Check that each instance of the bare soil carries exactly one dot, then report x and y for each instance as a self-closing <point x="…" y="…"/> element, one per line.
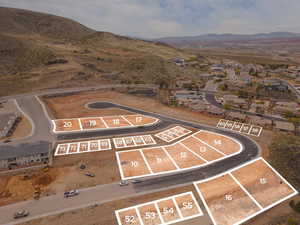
<point x="104" y="214"/>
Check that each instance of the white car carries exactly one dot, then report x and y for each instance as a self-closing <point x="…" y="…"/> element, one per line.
<point x="123" y="183"/>
<point x="71" y="193"/>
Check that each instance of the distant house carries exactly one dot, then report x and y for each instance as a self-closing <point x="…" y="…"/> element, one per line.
<point x="217" y="68"/>
<point x="284" y="126"/>
<point x="260" y="121"/>
<point x="206" y="76"/>
<point x="245" y="78"/>
<point x="235" y="101"/>
<point x="216" y="111"/>
<point x="28" y="155"/>
<point x="236" y="116"/>
<point x="179" y="61"/>
<point x="282" y="107"/>
<point x="275" y="85"/>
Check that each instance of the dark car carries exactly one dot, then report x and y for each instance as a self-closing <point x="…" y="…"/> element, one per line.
<point x="136" y="181"/>
<point x="21" y="214"/>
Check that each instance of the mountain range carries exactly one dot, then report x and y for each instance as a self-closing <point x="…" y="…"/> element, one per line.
<point x="206" y="38"/>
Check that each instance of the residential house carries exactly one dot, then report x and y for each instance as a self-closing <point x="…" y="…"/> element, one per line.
<point x="284" y="126"/>
<point x="236" y="116"/>
<point x="275" y="85"/>
<point x="257" y="120"/>
<point x="235" y="101"/>
<point x="282" y="107"/>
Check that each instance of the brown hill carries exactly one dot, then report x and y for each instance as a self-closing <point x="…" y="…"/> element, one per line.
<point x="39" y="51"/>
<point x="25" y="22"/>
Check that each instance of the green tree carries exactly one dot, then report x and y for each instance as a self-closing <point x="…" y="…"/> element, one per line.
<point x="227" y="106"/>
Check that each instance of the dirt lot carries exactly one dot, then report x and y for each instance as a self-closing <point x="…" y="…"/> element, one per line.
<point x="228" y="203"/>
<point x="64" y="107"/>
<point x="103" y="214"/>
<point x="74" y="106"/>
<point x="224" y="144"/>
<point x="64" y="175"/>
<point x="262" y="183"/>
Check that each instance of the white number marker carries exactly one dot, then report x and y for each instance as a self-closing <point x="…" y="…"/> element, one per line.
<point x="158" y="160"/>
<point x="228" y="197"/>
<point x="218" y="142"/>
<point x="167" y="210"/>
<point x="187" y="205"/>
<point x="183" y="155"/>
<point x="134" y="164"/>
<point x="203" y="149"/>
<point x="138" y="119"/>
<point x="116" y="121"/>
<point x="92" y="123"/>
<point x="129" y="219"/>
<point x="150" y="215"/>
<point x="68" y="124"/>
<point x="263" y="180"/>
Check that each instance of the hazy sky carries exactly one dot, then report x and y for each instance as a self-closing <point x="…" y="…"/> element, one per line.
<point x="159" y="18"/>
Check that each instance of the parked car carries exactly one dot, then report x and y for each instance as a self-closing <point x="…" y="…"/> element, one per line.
<point x="89" y="174"/>
<point x="123" y="183"/>
<point x="21" y="214"/>
<point x="71" y="193"/>
<point x="136" y="181"/>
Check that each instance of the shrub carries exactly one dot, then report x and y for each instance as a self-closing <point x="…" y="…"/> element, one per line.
<point x="297" y="207"/>
<point x="292" y="204"/>
<point x="292" y="221"/>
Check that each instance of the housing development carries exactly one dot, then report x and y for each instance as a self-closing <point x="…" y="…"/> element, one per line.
<point x="97" y="128"/>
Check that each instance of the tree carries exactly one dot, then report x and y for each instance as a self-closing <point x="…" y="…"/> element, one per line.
<point x="227" y="106"/>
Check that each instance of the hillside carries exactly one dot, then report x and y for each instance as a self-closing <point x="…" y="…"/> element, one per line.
<point x="24" y="22"/>
<point x="39" y="51"/>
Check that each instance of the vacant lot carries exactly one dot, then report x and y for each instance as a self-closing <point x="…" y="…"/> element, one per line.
<point x="65" y="174"/>
<point x="104" y="214"/>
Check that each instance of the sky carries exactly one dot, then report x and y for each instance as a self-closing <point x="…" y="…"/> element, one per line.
<point x="164" y="18"/>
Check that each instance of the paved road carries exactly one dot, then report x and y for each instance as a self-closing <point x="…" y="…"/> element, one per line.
<point x="211" y="85"/>
<point x="56" y="204"/>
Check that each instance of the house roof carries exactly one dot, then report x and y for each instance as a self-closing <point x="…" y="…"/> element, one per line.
<point x="284" y="126"/>
<point x="259" y="120"/>
<point x="237" y="115"/>
<point x="22" y="150"/>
